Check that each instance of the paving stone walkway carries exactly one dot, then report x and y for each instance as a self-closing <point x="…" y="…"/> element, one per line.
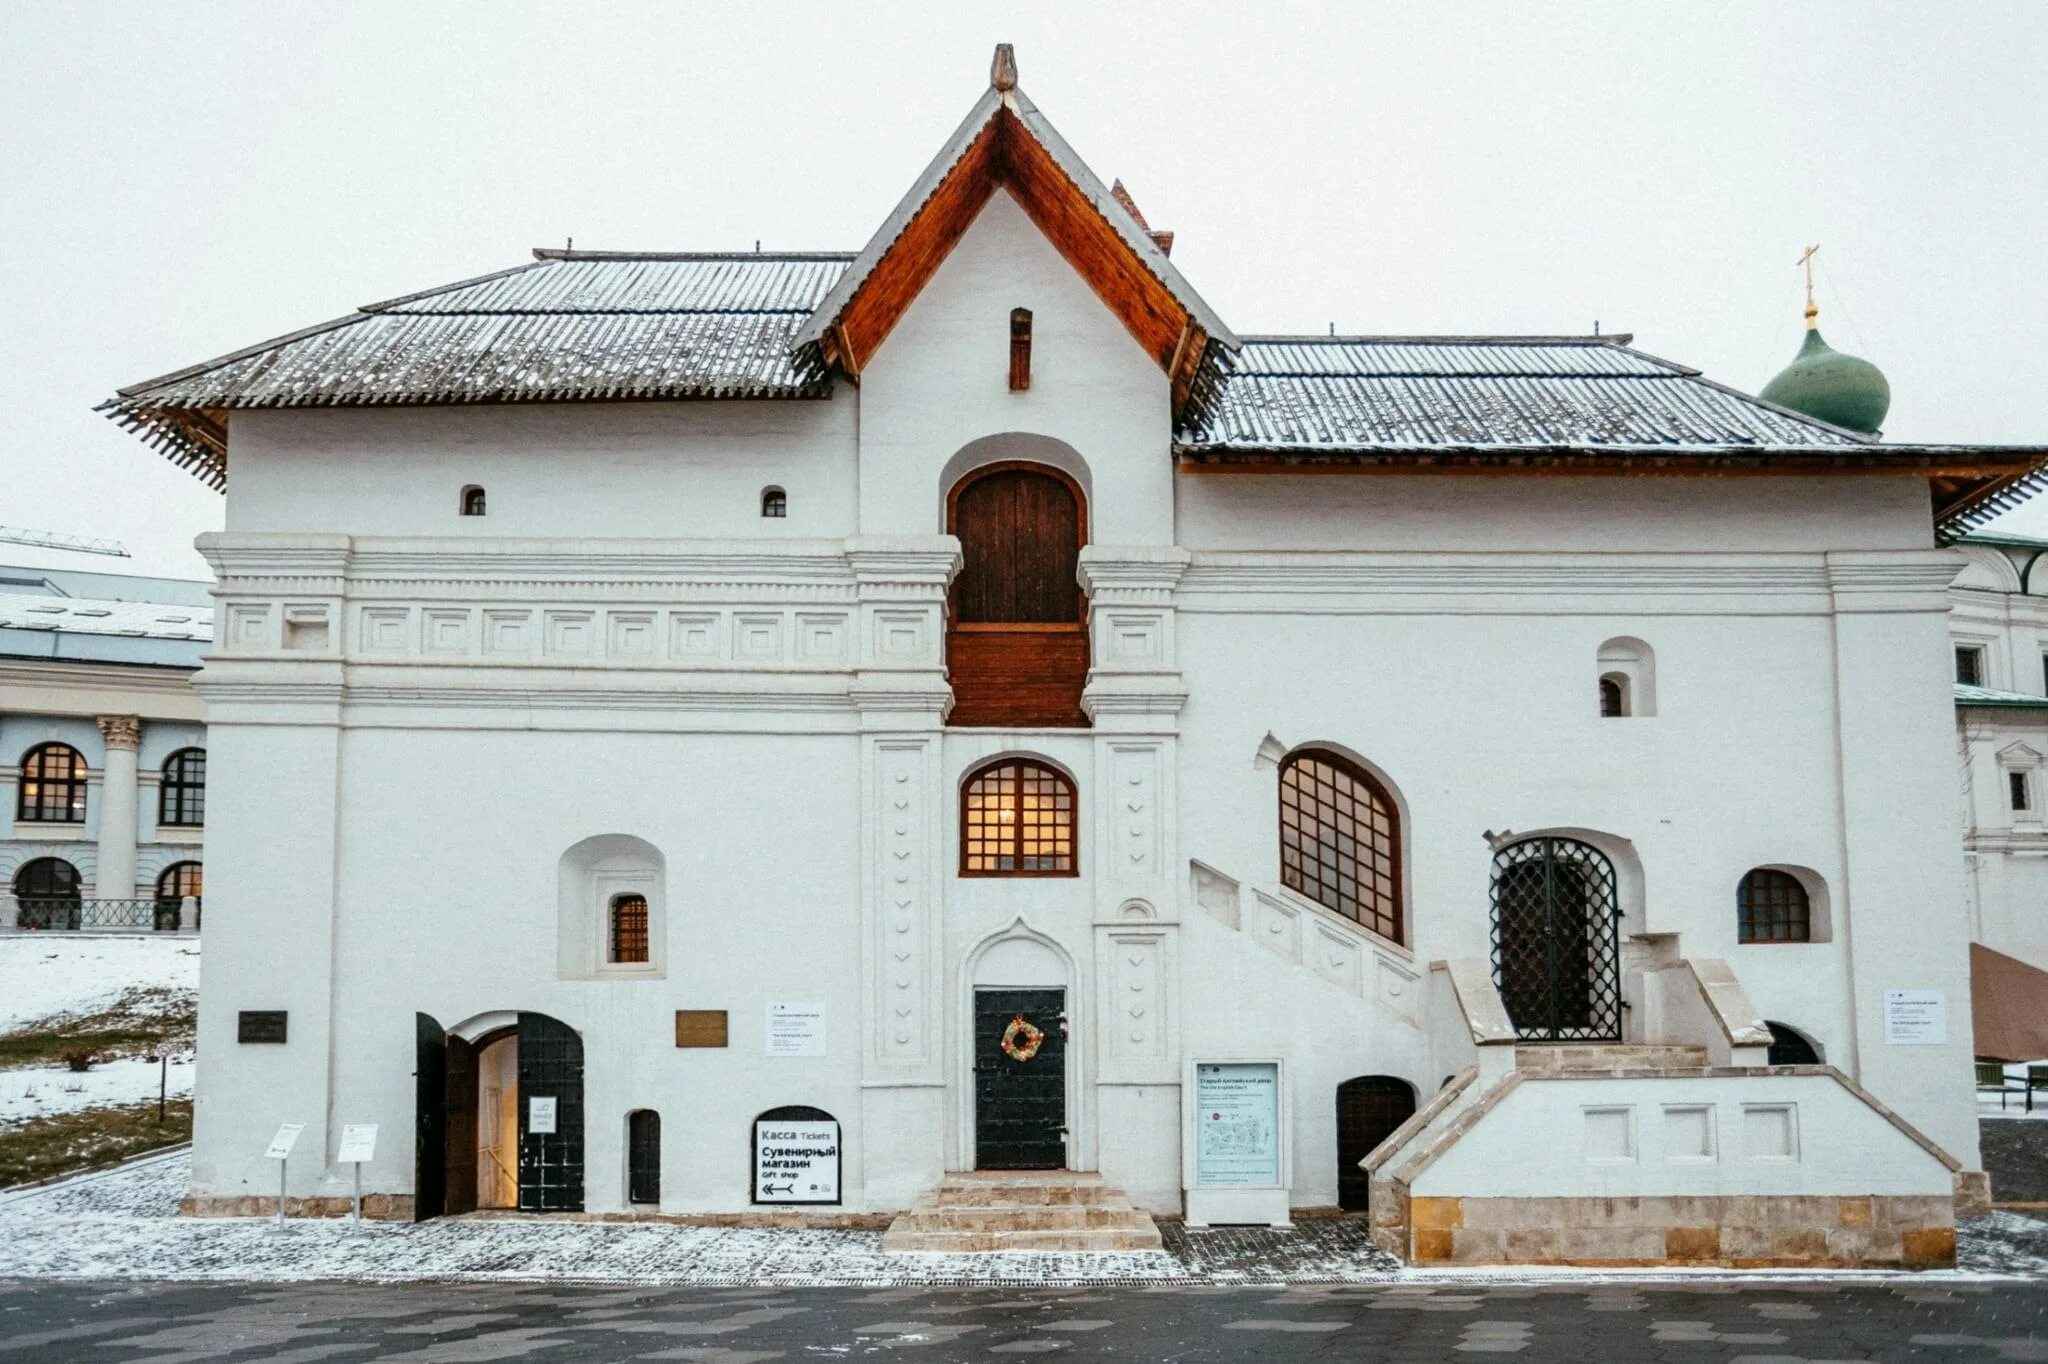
<point x="1757" y="1324"/>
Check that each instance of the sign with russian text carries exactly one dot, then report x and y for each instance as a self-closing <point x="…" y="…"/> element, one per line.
<point x="287" y="1137"/>
<point x="540" y="1115"/>
<point x="358" y="1143"/>
<point x="796" y="1162"/>
<point x="796" y="1029"/>
<point x="1915" y="1018"/>
<point x="1237" y="1123"/>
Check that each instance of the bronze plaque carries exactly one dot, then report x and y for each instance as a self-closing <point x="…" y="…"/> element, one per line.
<point x="700" y="1027"/>
<point x="260" y="1025"/>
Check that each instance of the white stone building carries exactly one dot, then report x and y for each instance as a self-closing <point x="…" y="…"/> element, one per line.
<point x="657" y="695"/>
<point x="102" y="750"/>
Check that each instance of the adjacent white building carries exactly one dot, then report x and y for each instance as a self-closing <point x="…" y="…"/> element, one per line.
<point x="102" y="750"/>
<point x="702" y="732"/>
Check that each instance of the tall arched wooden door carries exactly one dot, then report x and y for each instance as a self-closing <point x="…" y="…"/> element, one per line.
<point x="1017" y="640"/>
<point x="1369" y="1108"/>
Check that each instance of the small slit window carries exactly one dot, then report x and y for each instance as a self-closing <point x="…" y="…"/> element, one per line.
<point x="1017" y="819"/>
<point x="52" y="786"/>
<point x="473" y="501"/>
<point x="1020" y="349"/>
<point x="774" y="503"/>
<point x="1772" y="906"/>
<point x="2016" y="787"/>
<point x="628" y="929"/>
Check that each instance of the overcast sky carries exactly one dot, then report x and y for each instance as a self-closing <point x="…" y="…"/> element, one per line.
<point x="186" y="179"/>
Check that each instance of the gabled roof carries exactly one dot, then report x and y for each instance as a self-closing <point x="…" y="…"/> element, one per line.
<point x="1005" y="141"/>
<point x="569" y="326"/>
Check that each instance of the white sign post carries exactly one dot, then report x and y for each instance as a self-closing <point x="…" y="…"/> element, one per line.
<point x="1236" y="1157"/>
<point x="358" y="1144"/>
<point x="796" y="1029"/>
<point x="1915" y="1018"/>
<point x="280" y="1151"/>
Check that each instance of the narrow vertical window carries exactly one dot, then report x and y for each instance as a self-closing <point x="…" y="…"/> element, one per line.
<point x="643" y="1156"/>
<point x="774" y="503"/>
<point x="1613" y="699"/>
<point x="181" y="799"/>
<point x="1020" y="349"/>
<point x="1970" y="667"/>
<point x="472" y="501"/>
<point x="629" y="928"/>
<point x="2016" y="783"/>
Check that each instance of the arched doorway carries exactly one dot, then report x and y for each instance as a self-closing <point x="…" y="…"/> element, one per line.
<point x="1369" y="1108"/>
<point x="46" y="894"/>
<point x="498" y="1117"/>
<point x="1017" y="636"/>
<point x="1556" y="940"/>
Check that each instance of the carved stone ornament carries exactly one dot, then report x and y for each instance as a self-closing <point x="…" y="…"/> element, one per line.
<point x="121" y="731"/>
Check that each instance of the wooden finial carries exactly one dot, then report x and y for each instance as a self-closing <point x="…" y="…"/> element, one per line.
<point x="1002" y="72"/>
<point x="1806" y="260"/>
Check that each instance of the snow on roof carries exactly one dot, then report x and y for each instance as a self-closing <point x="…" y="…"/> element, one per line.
<point x="1991" y="696"/>
<point x="94" y="629"/>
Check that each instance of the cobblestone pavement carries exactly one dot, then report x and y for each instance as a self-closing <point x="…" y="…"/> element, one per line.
<point x="2016" y="1154"/>
<point x="1775" y="1324"/>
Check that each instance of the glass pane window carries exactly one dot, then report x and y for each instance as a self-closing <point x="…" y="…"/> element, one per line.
<point x="629" y="928"/>
<point x="1772" y="906"/>
<point x="1017" y="819"/>
<point x="52" y="789"/>
<point x="1340" y="840"/>
<point x="181" y="800"/>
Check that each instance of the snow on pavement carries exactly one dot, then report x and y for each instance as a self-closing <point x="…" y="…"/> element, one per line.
<point x="121" y="1224"/>
<point x="49" y="975"/>
<point x="42" y="1091"/>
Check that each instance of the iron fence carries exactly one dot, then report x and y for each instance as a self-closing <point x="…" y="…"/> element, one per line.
<point x="62" y="913"/>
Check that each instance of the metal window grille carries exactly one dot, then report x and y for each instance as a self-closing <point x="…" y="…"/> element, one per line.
<point x="52" y="786"/>
<point x="774" y="503"/>
<point x="1340" y="841"/>
<point x="643" y="1156"/>
<point x="181" y="800"/>
<point x="1556" y="940"/>
<point x="1773" y="908"/>
<point x="1970" y="667"/>
<point x="629" y="928"/>
<point x="1017" y="819"/>
<point x="1611" y="699"/>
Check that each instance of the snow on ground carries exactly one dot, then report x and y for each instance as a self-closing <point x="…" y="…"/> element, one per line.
<point x="50" y="975"/>
<point x="121" y="1224"/>
<point x="42" y="1091"/>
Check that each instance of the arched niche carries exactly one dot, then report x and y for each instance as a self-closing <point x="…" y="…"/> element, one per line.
<point x="1013" y="447"/>
<point x="592" y="875"/>
<point x="1628" y="665"/>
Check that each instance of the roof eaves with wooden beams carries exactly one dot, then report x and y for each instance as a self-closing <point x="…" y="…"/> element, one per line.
<point x="1006" y="142"/>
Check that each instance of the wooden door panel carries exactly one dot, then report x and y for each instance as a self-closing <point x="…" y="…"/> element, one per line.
<point x="1018" y="677"/>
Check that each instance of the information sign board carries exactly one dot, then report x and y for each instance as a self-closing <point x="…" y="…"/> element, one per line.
<point x="1915" y="1018"/>
<point x="796" y="1161"/>
<point x="540" y="1115"/>
<point x="796" y="1029"/>
<point x="1237" y="1123"/>
<point x="358" y="1143"/>
<point x="286" y="1138"/>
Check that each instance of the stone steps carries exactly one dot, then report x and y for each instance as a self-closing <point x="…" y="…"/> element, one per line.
<point x="1033" y="1210"/>
<point x="1578" y="1058"/>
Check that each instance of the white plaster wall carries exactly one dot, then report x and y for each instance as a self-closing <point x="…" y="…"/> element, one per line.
<point x="1843" y="1146"/>
<point x="561" y="470"/>
<point x="941" y="381"/>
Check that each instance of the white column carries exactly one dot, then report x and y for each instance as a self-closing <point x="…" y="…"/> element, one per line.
<point x="115" y="878"/>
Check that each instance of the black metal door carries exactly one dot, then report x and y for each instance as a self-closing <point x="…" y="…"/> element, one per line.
<point x="1369" y="1108"/>
<point x="550" y="1162"/>
<point x="1020" y="1105"/>
<point x="430" y="1117"/>
<point x="1556" y="940"/>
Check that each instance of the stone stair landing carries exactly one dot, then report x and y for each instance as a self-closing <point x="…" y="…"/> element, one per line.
<point x="1606" y="1058"/>
<point x="1038" y="1210"/>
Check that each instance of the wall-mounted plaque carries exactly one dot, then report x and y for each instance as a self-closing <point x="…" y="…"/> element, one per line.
<point x="796" y="1029"/>
<point x="540" y="1115"/>
<point x="1915" y="1018"/>
<point x="700" y="1027"/>
<point x="260" y="1025"/>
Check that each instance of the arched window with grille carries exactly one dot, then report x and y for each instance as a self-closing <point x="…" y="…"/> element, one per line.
<point x="52" y="787"/>
<point x="1017" y="819"/>
<point x="181" y="799"/>
<point x="774" y="503"/>
<point x="174" y="885"/>
<point x="46" y="894"/>
<point x="1772" y="906"/>
<point x="472" y="501"/>
<point x="629" y="942"/>
<point x="1340" y="839"/>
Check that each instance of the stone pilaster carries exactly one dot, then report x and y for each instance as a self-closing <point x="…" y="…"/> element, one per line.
<point x="116" y="874"/>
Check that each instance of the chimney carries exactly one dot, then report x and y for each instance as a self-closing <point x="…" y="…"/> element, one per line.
<point x="1162" y="240"/>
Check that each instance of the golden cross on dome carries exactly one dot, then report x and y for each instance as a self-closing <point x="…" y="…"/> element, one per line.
<point x="1806" y="261"/>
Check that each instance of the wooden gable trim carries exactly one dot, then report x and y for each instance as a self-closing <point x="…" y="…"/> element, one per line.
<point x="1006" y="154"/>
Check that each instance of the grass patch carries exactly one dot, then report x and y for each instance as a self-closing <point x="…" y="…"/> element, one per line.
<point x="66" y="1143"/>
<point x="131" y="1026"/>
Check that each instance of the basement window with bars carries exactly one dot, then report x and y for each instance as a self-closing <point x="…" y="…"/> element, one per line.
<point x="1772" y="906"/>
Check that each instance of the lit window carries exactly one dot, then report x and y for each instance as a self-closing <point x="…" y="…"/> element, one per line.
<point x="1970" y="667"/>
<point x="1772" y="906"/>
<point x="472" y="501"/>
<point x="629" y="929"/>
<point x="174" y="885"/>
<point x="1017" y="819"/>
<point x="1340" y="839"/>
<point x="774" y="503"/>
<point x="52" y="788"/>
<point x="181" y="800"/>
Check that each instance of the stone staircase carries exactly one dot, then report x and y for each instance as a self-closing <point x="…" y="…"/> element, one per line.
<point x="1040" y="1210"/>
<point x="1607" y="1058"/>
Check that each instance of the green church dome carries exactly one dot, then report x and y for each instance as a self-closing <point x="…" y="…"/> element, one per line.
<point x="1841" y="389"/>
